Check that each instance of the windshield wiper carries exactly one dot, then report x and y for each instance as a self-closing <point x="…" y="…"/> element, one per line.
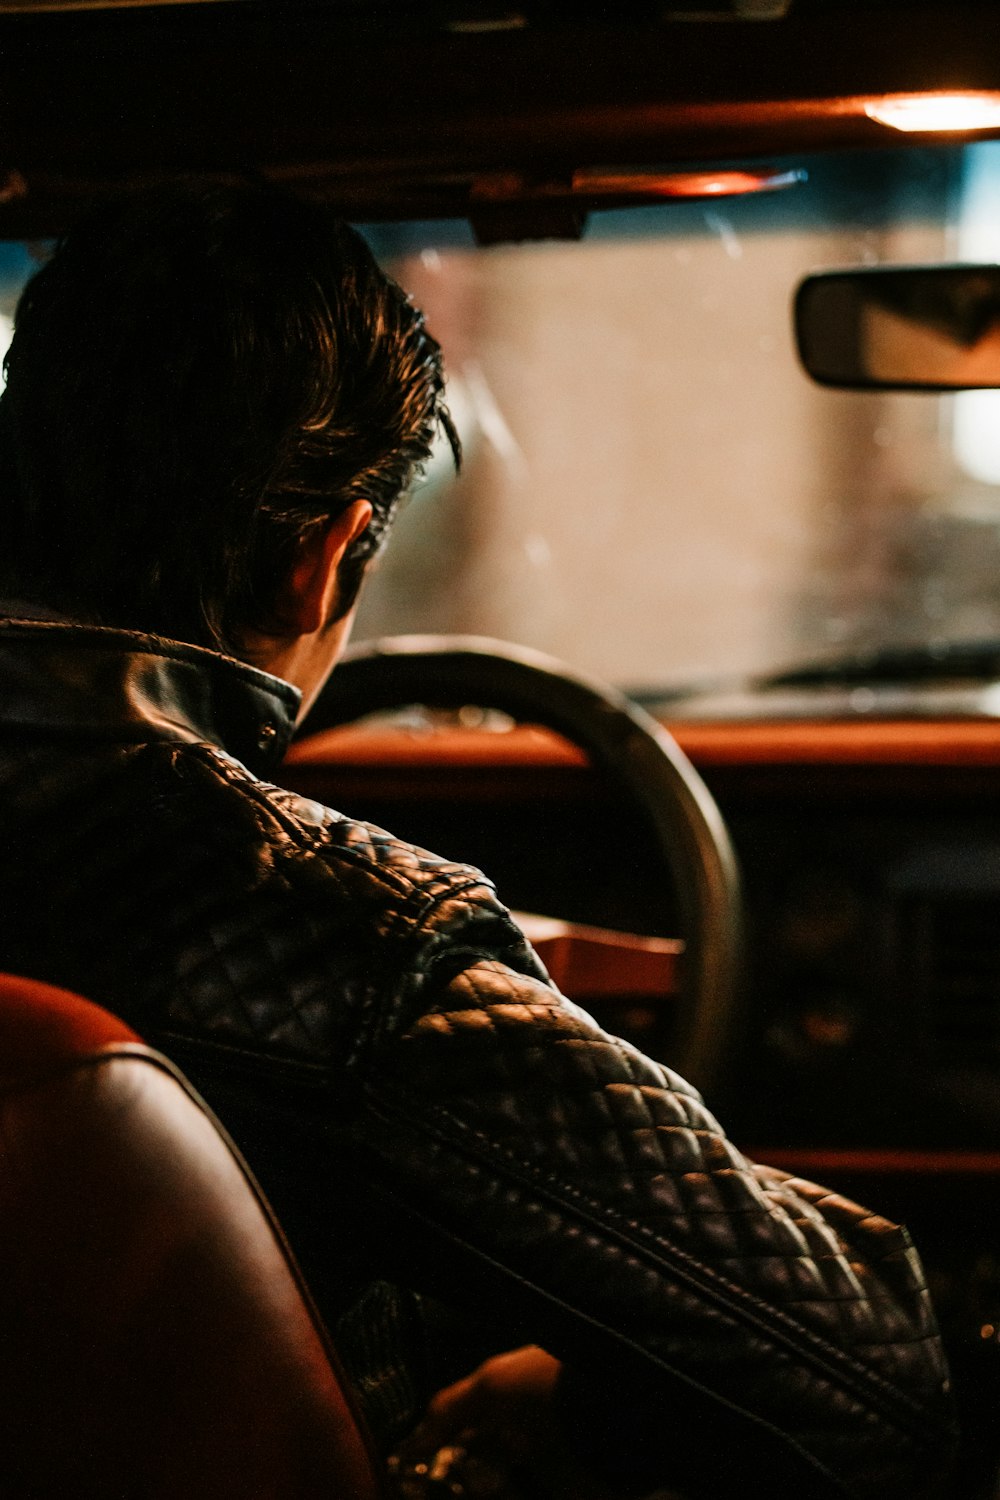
<point x="926" y="662"/>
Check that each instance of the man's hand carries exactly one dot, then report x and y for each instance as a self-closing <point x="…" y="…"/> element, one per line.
<point x="497" y="1434"/>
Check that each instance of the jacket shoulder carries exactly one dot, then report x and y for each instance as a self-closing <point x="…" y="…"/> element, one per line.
<point x="339" y="929"/>
<point x="310" y="837"/>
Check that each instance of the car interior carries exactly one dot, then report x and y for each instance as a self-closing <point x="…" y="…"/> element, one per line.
<point x="717" y="589"/>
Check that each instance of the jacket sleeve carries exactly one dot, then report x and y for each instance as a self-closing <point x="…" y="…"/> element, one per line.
<point x="747" y="1328"/>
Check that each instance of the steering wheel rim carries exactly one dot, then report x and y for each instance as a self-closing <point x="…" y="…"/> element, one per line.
<point x="637" y="753"/>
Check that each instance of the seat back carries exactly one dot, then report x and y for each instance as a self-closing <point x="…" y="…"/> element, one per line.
<point x="155" y="1336"/>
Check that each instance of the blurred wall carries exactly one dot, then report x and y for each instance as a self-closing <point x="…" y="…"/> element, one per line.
<point x="653" y="490"/>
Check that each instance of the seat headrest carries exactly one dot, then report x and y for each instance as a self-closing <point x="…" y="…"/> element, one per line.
<point x="43" y="1028"/>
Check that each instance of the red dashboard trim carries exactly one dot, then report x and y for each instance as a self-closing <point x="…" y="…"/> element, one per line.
<point x="945" y="743"/>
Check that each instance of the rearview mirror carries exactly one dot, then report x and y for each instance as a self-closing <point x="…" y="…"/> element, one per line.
<point x="933" y="328"/>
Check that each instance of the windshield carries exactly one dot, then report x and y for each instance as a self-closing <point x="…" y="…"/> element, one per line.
<point x="653" y="490"/>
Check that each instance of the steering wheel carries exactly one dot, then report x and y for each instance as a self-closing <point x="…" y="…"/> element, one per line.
<point x="641" y="759"/>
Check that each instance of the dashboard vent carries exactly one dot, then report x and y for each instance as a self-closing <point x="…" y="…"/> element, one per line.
<point x="954" y="950"/>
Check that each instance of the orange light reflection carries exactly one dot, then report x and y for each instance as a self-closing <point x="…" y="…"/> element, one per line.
<point x="937" y="112"/>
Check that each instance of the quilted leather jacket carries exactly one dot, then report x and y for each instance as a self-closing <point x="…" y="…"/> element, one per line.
<point x="425" y="1106"/>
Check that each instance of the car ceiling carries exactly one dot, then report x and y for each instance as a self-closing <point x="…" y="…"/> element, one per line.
<point x="461" y="107"/>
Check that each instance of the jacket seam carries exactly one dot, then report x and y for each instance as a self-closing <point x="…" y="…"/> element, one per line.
<point x="625" y="1340"/>
<point x="835" y="1364"/>
<point x="424" y="911"/>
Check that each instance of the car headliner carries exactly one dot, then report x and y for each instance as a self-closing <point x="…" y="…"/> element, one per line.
<point x="395" y="111"/>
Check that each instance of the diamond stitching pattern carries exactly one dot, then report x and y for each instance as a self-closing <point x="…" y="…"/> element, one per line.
<point x="206" y="906"/>
<point x="611" y="1135"/>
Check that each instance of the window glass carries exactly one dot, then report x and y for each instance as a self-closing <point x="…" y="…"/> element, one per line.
<point x="16" y="265"/>
<point x="653" y="490"/>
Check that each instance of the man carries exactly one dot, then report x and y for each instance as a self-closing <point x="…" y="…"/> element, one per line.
<point x="214" y="401"/>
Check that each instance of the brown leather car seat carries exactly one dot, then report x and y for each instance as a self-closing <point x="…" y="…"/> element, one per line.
<point x="155" y="1336"/>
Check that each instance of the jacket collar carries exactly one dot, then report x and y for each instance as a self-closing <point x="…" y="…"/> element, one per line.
<point x="122" y="685"/>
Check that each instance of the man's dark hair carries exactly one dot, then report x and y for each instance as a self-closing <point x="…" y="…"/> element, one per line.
<point x="199" y="376"/>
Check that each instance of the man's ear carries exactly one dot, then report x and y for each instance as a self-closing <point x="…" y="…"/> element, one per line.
<point x="309" y="595"/>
